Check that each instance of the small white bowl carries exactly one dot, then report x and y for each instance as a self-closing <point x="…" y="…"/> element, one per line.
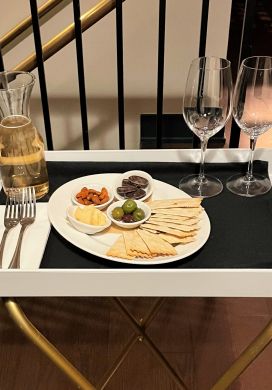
<point x="129" y="225"/>
<point x="85" y="227"/>
<point x="96" y="187"/>
<point x="148" y="189"/>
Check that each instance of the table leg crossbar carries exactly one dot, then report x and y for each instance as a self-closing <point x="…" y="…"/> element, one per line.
<point x="31" y="332"/>
<point x="253" y="350"/>
<point x="140" y="333"/>
<point x="131" y="341"/>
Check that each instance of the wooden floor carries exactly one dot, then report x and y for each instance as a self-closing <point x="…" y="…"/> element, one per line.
<point x="200" y="337"/>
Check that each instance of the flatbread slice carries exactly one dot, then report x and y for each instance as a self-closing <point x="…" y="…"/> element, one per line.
<point x="182" y="212"/>
<point x="118" y="249"/>
<point x="173" y="240"/>
<point x="164" y="229"/>
<point x="172" y="203"/>
<point x="149" y="230"/>
<point x="182" y="227"/>
<point x="176" y="240"/>
<point x="174" y="219"/>
<point x="156" y="245"/>
<point x="135" y="246"/>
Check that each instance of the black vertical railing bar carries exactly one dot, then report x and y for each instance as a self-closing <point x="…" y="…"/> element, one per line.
<point x="245" y="51"/>
<point x="160" y="75"/>
<point x="2" y="66"/>
<point x="202" y="45"/>
<point x="81" y="77"/>
<point x="203" y="27"/>
<point x="120" y="72"/>
<point x="40" y="64"/>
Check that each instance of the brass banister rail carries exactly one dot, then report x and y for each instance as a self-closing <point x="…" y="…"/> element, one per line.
<point x="62" y="39"/>
<point x="24" y="28"/>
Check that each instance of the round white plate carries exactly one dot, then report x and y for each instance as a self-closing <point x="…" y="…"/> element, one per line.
<point x="100" y="243"/>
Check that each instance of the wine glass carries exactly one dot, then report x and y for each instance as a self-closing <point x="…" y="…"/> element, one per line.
<point x="206" y="108"/>
<point x="252" y="110"/>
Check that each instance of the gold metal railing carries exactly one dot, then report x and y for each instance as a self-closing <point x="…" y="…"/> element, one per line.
<point x="68" y="34"/>
<point x="46" y="11"/>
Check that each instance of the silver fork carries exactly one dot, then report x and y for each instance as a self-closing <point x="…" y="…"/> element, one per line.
<point x="28" y="214"/>
<point x="11" y="219"/>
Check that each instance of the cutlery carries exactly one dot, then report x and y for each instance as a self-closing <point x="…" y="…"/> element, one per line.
<point x="28" y="214"/>
<point x="11" y="219"/>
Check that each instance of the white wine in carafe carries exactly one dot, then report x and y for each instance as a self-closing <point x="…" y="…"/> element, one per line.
<point x="22" y="155"/>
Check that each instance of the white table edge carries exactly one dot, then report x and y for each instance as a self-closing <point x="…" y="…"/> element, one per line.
<point x="137" y="282"/>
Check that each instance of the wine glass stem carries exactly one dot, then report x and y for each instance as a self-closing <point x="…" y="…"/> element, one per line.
<point x="203" y="143"/>
<point x="249" y="174"/>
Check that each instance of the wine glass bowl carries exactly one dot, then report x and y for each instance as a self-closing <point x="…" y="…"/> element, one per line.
<point x="206" y="108"/>
<point x="252" y="111"/>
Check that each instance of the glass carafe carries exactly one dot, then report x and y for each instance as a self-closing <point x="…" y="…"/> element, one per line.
<point x="21" y="146"/>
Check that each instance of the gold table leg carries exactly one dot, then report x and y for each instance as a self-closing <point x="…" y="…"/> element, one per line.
<point x="133" y="339"/>
<point x="245" y="359"/>
<point x="118" y="362"/>
<point x="44" y="345"/>
<point x="143" y="337"/>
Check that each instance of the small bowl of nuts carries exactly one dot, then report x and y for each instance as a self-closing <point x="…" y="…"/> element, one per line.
<point x="97" y="195"/>
<point x="128" y="214"/>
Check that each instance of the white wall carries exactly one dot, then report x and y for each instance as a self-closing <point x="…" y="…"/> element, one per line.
<point x="140" y="64"/>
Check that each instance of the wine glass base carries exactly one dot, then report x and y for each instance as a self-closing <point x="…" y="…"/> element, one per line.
<point x="240" y="185"/>
<point x="210" y="186"/>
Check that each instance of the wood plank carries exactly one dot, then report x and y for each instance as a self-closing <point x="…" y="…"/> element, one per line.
<point x="212" y="341"/>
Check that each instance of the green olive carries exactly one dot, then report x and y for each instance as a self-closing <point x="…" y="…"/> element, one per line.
<point x="138" y="215"/>
<point x="117" y="213"/>
<point x="129" y="206"/>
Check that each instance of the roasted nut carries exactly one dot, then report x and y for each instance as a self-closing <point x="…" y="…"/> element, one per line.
<point x="92" y="197"/>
